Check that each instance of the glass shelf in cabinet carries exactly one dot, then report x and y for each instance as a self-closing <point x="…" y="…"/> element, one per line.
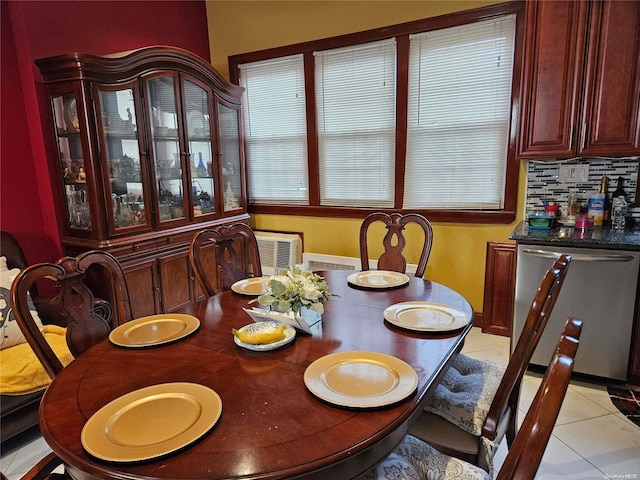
<point x="165" y="133"/>
<point x="67" y="133"/>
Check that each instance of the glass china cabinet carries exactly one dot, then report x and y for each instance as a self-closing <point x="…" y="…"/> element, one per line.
<point x="149" y="148"/>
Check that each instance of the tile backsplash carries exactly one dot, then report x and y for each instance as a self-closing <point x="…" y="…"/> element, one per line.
<point x="544" y="185"/>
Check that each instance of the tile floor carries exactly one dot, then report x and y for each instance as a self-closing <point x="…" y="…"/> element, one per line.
<point x="591" y="440"/>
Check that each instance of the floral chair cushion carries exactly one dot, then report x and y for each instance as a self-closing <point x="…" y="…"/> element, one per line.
<point x="414" y="459"/>
<point x="466" y="392"/>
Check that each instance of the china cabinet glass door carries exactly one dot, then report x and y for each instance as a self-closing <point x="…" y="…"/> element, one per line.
<point x="228" y="119"/>
<point x="197" y="110"/>
<point x="167" y="155"/>
<point x="118" y="118"/>
<point x="70" y="153"/>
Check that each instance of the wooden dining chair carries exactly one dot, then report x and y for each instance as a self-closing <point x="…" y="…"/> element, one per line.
<point x="394" y="241"/>
<point x="89" y="319"/>
<point x="414" y="458"/>
<point x="475" y="406"/>
<point x="223" y="255"/>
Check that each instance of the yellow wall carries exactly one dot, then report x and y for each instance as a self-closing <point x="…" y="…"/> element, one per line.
<point x="458" y="255"/>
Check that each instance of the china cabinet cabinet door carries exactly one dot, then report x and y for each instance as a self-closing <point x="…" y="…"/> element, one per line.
<point x="197" y="108"/>
<point x="144" y="288"/>
<point x="175" y="291"/>
<point x="123" y="157"/>
<point x="168" y="156"/>
<point x="611" y="103"/>
<point x="229" y="154"/>
<point x="69" y="136"/>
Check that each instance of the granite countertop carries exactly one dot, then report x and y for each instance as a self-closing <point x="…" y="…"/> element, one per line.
<point x="601" y="237"/>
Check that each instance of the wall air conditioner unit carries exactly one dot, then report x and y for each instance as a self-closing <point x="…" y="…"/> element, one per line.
<point x="278" y="251"/>
<point x="320" y="261"/>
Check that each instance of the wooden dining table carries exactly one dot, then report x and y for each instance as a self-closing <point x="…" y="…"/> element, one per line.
<point x="271" y="425"/>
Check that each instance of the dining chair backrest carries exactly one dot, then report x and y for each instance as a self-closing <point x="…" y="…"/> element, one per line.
<point x="223" y="255"/>
<point x="89" y="320"/>
<point x="394" y="241"/>
<point x="505" y="402"/>
<point x="12" y="251"/>
<point x="525" y="454"/>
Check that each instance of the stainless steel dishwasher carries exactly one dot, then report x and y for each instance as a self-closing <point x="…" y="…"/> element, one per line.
<point x="600" y="289"/>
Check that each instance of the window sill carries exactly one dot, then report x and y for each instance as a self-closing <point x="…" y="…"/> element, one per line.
<point x="448" y="216"/>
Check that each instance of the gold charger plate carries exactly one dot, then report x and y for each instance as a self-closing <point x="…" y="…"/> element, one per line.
<point x="361" y="379"/>
<point x="426" y="316"/>
<point x="378" y="279"/>
<point x="154" y="330"/>
<point x="251" y="286"/>
<point x="151" y="422"/>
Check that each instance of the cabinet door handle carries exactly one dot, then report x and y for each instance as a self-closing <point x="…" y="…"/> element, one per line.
<point x="136" y="248"/>
<point x="572" y="134"/>
<point x="170" y="240"/>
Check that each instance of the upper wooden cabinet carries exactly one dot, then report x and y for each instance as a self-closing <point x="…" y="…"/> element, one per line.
<point x="581" y="88"/>
<point x="147" y="140"/>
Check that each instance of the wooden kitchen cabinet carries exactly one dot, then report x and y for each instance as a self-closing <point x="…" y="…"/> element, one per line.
<point x="499" y="289"/>
<point x="149" y="151"/>
<point x="581" y="79"/>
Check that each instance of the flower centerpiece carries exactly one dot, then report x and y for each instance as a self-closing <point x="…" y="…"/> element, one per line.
<point x="295" y="290"/>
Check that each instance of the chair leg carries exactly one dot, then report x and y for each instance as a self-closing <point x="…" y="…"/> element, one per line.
<point x="44" y="468"/>
<point x="511" y="429"/>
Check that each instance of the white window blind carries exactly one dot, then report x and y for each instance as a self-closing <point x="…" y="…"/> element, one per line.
<point x="276" y="130"/>
<point x="458" y="120"/>
<point x="355" y="99"/>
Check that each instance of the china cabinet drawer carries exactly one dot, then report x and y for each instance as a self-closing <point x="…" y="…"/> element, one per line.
<point x="126" y="251"/>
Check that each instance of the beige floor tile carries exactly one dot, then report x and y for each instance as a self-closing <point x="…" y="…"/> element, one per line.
<point x="575" y="407"/>
<point x="26" y="456"/>
<point x="476" y="340"/>
<point x="498" y="355"/>
<point x="596" y="393"/>
<point x="561" y="462"/>
<point x="611" y="443"/>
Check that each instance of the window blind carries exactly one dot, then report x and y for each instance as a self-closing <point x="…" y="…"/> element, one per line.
<point x="458" y="118"/>
<point x="355" y="101"/>
<point x="276" y="130"/>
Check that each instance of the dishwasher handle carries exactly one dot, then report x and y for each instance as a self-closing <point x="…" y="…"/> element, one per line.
<point x="579" y="257"/>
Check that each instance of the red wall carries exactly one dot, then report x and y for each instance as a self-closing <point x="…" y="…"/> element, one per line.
<point x="36" y="29"/>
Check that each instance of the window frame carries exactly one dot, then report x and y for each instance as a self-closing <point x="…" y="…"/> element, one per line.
<point x="401" y="33"/>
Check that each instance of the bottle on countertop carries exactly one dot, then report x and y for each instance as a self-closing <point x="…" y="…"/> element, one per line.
<point x="617" y="193"/>
<point x="604" y="189"/>
<point x="618" y="213"/>
<point x="619" y="189"/>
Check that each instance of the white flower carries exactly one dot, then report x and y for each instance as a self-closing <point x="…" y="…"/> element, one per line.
<point x="294" y="289"/>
